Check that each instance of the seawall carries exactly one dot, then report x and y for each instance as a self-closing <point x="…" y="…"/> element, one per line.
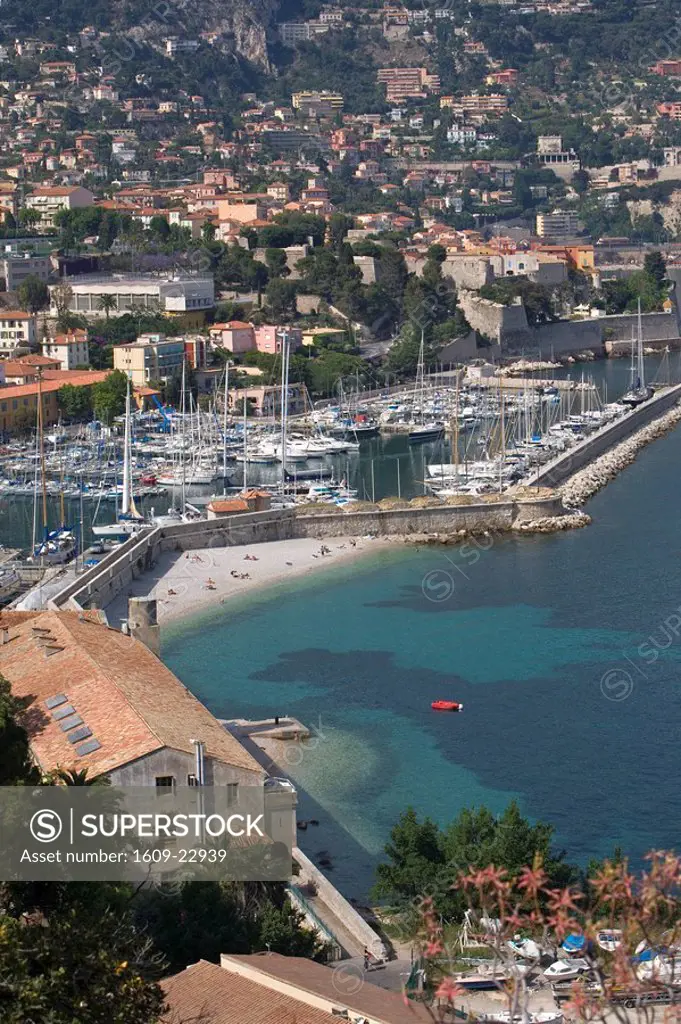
<point x="556" y="472"/>
<point x="97" y="587"/>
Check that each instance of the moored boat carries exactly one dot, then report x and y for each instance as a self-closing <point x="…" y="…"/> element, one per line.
<point x="446" y="705"/>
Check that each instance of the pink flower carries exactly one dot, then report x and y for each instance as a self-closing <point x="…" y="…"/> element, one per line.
<point x="532" y="879"/>
<point x="448" y="990"/>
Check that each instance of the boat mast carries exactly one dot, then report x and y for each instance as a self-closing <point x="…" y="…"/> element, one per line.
<point x="41" y="442"/>
<point x="36" y="470"/>
<point x="641" y="367"/>
<point x="224" y="429"/>
<point x="456" y="432"/>
<point x="245" y="402"/>
<point x="183" y="453"/>
<point x="284" y="404"/>
<point x="125" y="503"/>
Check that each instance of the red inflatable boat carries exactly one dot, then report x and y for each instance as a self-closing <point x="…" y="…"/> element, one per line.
<point x="446" y="705"/>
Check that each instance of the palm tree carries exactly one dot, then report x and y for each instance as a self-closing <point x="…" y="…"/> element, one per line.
<point x="106" y="304"/>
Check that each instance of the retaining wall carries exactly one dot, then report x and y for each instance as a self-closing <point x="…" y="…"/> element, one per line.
<point x="339" y="906"/>
<point x="98" y="586"/>
<point x="555" y="473"/>
<point x="438" y="519"/>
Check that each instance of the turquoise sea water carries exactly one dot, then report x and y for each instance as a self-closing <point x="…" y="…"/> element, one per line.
<point x="539" y="637"/>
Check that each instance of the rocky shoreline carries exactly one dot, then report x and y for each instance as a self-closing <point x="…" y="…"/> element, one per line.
<point x="588" y="481"/>
<point x="548" y="524"/>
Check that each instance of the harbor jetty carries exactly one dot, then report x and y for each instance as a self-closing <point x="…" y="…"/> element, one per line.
<point x="643" y="420"/>
<point x="587" y="482"/>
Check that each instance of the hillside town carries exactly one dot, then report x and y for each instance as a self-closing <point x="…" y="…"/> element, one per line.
<point x="141" y="203"/>
<point x="302" y="306"/>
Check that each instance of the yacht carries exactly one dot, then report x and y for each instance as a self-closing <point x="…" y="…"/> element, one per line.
<point x="567" y="970"/>
<point x="426" y="432"/>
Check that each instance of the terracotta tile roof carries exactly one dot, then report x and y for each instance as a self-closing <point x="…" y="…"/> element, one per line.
<point x="312" y="978"/>
<point x="128" y="698"/>
<point x="77" y="377"/>
<point x="207" y="993"/>
<point x="229" y="505"/>
<point x="17" y="368"/>
<point x="37" y="361"/>
<point x="26" y="390"/>
<point x="15" y="314"/>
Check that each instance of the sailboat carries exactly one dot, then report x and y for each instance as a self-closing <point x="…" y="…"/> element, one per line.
<point x="129" y="520"/>
<point x="57" y="546"/>
<point x="638" y="391"/>
<point x="423" y="431"/>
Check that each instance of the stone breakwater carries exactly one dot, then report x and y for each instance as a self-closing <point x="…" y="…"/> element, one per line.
<point x="553" y="524"/>
<point x="592" y="478"/>
<point x="546" y="524"/>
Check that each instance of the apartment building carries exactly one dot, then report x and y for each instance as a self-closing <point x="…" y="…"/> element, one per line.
<point x="475" y="105"/>
<point x="292" y="32"/>
<point x="239" y="337"/>
<point x="17" y="330"/>
<point x="71" y="349"/>
<point x="151" y="357"/>
<point x="48" y="201"/>
<point x="403" y="83"/>
<point x="15" y="269"/>
<point x="670" y="109"/>
<point x="314" y="103"/>
<point x="667" y="68"/>
<point x="243" y="208"/>
<point x="9" y="197"/>
<point x="557" y="224"/>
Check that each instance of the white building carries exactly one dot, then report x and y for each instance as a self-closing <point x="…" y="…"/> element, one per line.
<point x="181" y="294"/>
<point x="48" y="201"/>
<point x="173" y="46"/>
<point x="99" y="700"/>
<point x="462" y="134"/>
<point x="71" y="349"/>
<point x="17" y="330"/>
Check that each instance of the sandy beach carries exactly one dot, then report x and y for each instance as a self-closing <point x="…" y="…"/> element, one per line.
<point x="185" y="583"/>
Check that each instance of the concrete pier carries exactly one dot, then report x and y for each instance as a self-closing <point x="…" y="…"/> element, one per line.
<point x="556" y="472"/>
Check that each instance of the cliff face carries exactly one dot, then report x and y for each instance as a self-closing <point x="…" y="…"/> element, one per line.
<point x="236" y="27"/>
<point x="241" y="25"/>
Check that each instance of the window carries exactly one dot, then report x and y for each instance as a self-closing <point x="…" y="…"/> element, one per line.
<point x="192" y="781"/>
<point x="232" y="793"/>
<point x="165" y="781"/>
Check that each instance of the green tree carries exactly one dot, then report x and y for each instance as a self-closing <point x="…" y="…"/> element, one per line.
<point x="28" y="218"/>
<point x="276" y="263"/>
<point x="415" y="856"/>
<point x="75" y="403"/>
<point x="393" y="273"/>
<point x="281" y="297"/>
<point x="33" y="294"/>
<point x="201" y="920"/>
<point x="108" y="397"/>
<point x="329" y="367"/>
<point x="15" y="758"/>
<point x="75" y="968"/>
<point x="424" y="859"/>
<point x="655" y="267"/>
<point x="159" y="227"/>
<point x="62" y="296"/>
